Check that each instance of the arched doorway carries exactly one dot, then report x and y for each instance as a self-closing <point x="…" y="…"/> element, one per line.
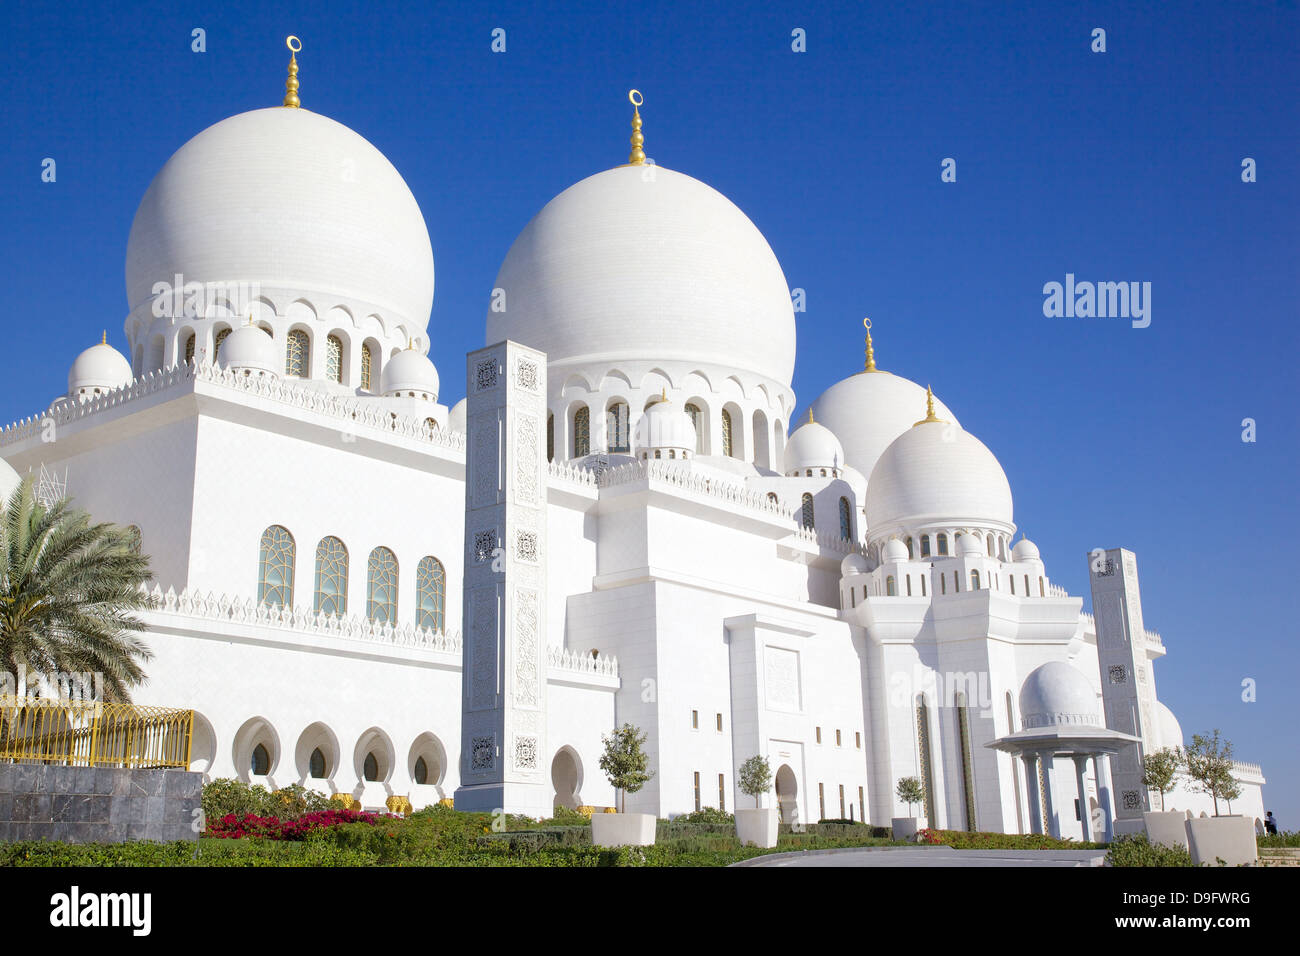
<point x="787" y="794"/>
<point x="566" y="778"/>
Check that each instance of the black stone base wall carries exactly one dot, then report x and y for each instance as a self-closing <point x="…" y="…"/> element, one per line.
<point x="97" y="804"/>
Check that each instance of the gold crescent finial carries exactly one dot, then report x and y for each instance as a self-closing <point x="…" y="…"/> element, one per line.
<point x="637" y="157"/>
<point x="291" y="84"/>
<point x="870" y="365"/>
<point x="929" y="410"/>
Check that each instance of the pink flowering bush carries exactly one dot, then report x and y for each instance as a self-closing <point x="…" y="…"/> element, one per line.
<point x="235" y="827"/>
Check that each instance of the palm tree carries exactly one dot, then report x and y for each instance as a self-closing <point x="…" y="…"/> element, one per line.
<point x="69" y="591"/>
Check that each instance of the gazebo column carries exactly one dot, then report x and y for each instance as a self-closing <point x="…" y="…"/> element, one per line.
<point x="1031" y="791"/>
<point x="1085" y="815"/>
<point x="1049" y="779"/>
<point x="1101" y="763"/>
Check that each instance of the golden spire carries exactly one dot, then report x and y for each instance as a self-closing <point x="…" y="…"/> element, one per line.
<point x="810" y="418"/>
<point x="870" y="365"/>
<point x="929" y="410"/>
<point x="103" y="339"/>
<point x="663" y="395"/>
<point x="291" y="84"/>
<point x="637" y="158"/>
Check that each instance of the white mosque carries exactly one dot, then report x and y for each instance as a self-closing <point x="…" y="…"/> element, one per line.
<point x="366" y="591"/>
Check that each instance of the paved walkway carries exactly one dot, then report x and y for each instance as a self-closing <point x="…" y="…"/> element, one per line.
<point x="929" y="856"/>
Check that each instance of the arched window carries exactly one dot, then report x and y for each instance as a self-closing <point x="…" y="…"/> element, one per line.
<point x="846" y="522"/>
<point x="1012" y="579"/>
<point x="616" y="427"/>
<point x="925" y="545"/>
<point x="297" y="354"/>
<point x="974" y="580"/>
<point x="910" y="554"/>
<point x="693" y="412"/>
<point x="260" y="763"/>
<point x="891" y="586"/>
<point x="550" y="438"/>
<point x="990" y="544"/>
<point x="216" y="343"/>
<point x="726" y="433"/>
<point x="431" y="594"/>
<point x="331" y="577"/>
<point x="381" y="586"/>
<point x="943" y="584"/>
<point x="923" y="586"/>
<point x="370" y="769"/>
<point x="956" y="583"/>
<point x="334" y="359"/>
<point x="1027" y="594"/>
<point x="582" y="432"/>
<point x="421" y="774"/>
<point x="275" y="568"/>
<point x="189" y="348"/>
<point x="367" y="365"/>
<point x="317" y="767"/>
<point x="807" y="516"/>
<point x="943" y="544"/>
<point x="1042" y="591"/>
<point x="907" y="580"/>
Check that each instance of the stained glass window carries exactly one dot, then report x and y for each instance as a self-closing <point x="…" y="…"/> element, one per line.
<point x="334" y="359"/>
<point x="943" y="544"/>
<point x="807" y="516"/>
<point x="693" y="412"/>
<point x="726" y="433"/>
<point x="616" y="427"/>
<point x="846" y="524"/>
<point x="189" y="348"/>
<point x="331" y="577"/>
<point x="275" y="568"/>
<point x="297" y="354"/>
<point x="367" y="364"/>
<point x="216" y="343"/>
<point x="381" y="587"/>
<point x="431" y="599"/>
<point x="582" y="432"/>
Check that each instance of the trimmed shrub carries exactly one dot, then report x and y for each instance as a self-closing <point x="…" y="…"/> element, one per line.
<point x="965" y="840"/>
<point x="1136" y="850"/>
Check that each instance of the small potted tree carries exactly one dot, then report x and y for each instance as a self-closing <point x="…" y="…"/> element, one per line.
<point x="909" y="791"/>
<point x="624" y="763"/>
<point x="1160" y="772"/>
<point x="757" y="826"/>
<point x="1208" y="764"/>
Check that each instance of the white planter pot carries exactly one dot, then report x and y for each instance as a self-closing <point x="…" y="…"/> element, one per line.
<point x="1231" y="839"/>
<point x="905" y="828"/>
<point x="1169" y="829"/>
<point x="623" y="829"/>
<point x="757" y="827"/>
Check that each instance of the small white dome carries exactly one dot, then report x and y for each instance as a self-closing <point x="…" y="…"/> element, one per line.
<point x="1025" y="550"/>
<point x="970" y="545"/>
<point x="665" y="424"/>
<point x="853" y="564"/>
<point x="101" y="368"/>
<point x="895" y="550"/>
<point x="410" y="371"/>
<point x="1055" y="694"/>
<point x="1171" y="732"/>
<point x="249" y="349"/>
<point x="9" y="480"/>
<point x="814" y="446"/>
<point x="869" y="410"/>
<point x="936" y="472"/>
<point x="456" y="417"/>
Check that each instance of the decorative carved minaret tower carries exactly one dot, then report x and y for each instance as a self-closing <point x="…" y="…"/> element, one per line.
<point x="503" y="704"/>
<point x="1128" y="697"/>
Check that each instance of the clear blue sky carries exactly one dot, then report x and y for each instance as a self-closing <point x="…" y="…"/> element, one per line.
<point x="1117" y="166"/>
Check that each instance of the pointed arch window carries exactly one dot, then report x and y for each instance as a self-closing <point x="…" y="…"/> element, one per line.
<point x="431" y="594"/>
<point x="260" y="763"/>
<point x="616" y="427"/>
<point x="726" y="433"/>
<point x="334" y="359"/>
<point x="846" y="524"/>
<point x="189" y="348"/>
<point x="317" y="767"/>
<point x="582" y="432"/>
<point x="331" y="595"/>
<point x="297" y="354"/>
<point x="275" y="568"/>
<point x="367" y="365"/>
<point x="381" y="587"/>
<point x="421" y="775"/>
<point x="693" y="412"/>
<point x="807" y="514"/>
<point x="216" y="343"/>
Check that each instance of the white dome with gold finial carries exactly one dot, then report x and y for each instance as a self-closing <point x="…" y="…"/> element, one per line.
<point x="99" y="369"/>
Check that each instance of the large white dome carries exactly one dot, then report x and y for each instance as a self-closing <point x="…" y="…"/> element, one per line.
<point x="1055" y="694"/>
<point x="936" y="472"/>
<point x="288" y="199"/>
<point x="869" y="410"/>
<point x="640" y="263"/>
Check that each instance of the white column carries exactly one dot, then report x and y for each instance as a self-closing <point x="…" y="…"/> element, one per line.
<point x="1049" y="778"/>
<point x="1080" y="767"/>
<point x="1031" y="786"/>
<point x="1105" y="795"/>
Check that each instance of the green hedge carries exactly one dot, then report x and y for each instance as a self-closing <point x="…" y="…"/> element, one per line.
<point x="1283" y="839"/>
<point x="1136" y="850"/>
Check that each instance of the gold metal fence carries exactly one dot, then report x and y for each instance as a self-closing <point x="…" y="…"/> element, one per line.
<point x="90" y="734"/>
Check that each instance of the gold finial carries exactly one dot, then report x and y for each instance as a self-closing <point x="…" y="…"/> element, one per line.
<point x="663" y="395"/>
<point x="637" y="158"/>
<point x="291" y="84"/>
<point x="810" y="418"/>
<point x="870" y="365"/>
<point x="929" y="410"/>
<point x="410" y="343"/>
<point x="103" y="339"/>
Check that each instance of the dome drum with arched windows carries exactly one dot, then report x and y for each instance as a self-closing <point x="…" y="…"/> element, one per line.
<point x="249" y="350"/>
<point x="813" y="451"/>
<point x="410" y="374"/>
<point x="665" y="431"/>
